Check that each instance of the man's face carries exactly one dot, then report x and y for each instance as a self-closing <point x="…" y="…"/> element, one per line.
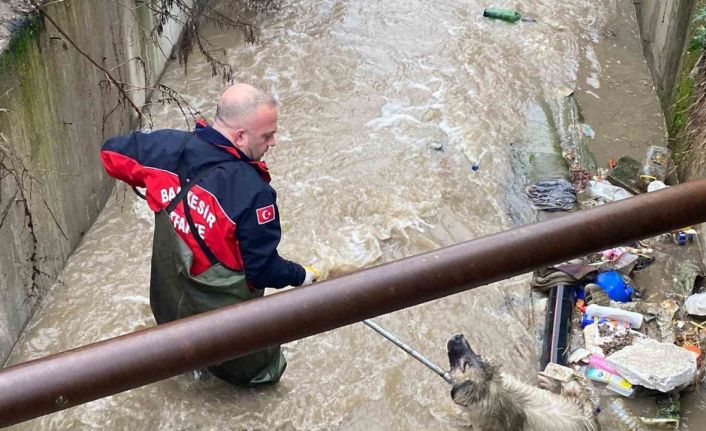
<point x="260" y="133"/>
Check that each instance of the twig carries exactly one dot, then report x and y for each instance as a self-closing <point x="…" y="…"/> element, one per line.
<point x="112" y="80"/>
<point x="7" y="208"/>
<point x="697" y="325"/>
<point x="51" y="213"/>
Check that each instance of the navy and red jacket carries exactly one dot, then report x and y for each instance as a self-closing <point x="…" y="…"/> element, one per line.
<point x="233" y="207"/>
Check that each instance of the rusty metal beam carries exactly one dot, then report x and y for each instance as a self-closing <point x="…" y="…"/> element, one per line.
<point x="77" y="376"/>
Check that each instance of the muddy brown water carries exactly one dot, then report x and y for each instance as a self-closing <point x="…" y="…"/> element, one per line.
<point x="369" y="91"/>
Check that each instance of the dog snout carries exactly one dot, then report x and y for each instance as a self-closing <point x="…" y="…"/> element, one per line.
<point x="458" y="350"/>
<point x="461" y="354"/>
<point x="455" y="340"/>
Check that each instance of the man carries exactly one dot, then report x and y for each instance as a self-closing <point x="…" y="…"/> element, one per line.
<point x="216" y="220"/>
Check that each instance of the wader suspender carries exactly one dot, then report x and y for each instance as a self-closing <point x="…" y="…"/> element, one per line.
<point x="182" y="196"/>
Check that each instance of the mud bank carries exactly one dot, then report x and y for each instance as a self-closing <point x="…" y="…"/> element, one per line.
<point x="55" y="110"/>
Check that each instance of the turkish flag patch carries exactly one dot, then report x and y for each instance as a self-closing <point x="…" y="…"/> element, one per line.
<point x="265" y="214"/>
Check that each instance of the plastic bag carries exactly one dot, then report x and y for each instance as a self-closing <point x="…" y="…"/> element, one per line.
<point x="552" y="195"/>
<point x="607" y="191"/>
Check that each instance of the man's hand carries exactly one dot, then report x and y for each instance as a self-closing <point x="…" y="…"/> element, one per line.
<point x="311" y="275"/>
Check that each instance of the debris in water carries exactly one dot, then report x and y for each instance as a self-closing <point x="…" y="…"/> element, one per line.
<point x="436" y="146"/>
<point x="696" y="304"/>
<point x="507" y="15"/>
<point x="587" y="131"/>
<point x="476" y="165"/>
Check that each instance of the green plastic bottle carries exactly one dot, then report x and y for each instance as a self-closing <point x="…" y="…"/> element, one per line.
<point x="502" y="14"/>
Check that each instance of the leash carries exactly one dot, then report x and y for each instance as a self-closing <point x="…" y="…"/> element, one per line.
<point x="416" y="355"/>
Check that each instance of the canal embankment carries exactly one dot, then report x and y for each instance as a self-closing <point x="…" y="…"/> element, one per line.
<point x="56" y="108"/>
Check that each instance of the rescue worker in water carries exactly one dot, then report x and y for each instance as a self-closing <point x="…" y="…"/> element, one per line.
<point x="212" y="181"/>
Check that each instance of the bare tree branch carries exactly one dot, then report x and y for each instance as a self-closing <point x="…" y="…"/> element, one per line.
<point x="88" y="57"/>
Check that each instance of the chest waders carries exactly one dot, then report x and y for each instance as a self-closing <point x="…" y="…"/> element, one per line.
<point x="175" y="293"/>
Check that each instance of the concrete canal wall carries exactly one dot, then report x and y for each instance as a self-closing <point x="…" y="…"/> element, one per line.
<point x="673" y="44"/>
<point x="56" y="108"/>
<point x="664" y="26"/>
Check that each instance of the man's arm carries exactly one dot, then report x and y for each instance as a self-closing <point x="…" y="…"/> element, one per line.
<point x="128" y="157"/>
<point x="258" y="233"/>
<point x="120" y="157"/>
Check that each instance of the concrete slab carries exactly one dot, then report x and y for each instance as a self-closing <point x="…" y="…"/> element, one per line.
<point x="655" y="365"/>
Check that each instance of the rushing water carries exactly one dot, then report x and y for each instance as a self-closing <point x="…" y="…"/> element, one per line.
<point x="385" y="107"/>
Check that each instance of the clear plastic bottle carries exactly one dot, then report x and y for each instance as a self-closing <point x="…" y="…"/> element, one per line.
<point x="655" y="166"/>
<point x="627" y="420"/>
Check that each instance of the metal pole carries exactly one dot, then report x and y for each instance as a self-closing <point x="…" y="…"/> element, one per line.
<point x="74" y="377"/>
<point x="402" y="345"/>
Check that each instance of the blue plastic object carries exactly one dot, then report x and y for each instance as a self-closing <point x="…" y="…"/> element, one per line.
<point x="614" y="286"/>
<point x="681" y="238"/>
<point x="580" y="293"/>
<point x="587" y="320"/>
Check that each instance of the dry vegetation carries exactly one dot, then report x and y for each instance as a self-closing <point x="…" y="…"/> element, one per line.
<point x="694" y="162"/>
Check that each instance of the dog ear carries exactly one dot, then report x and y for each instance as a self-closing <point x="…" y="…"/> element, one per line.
<point x="491" y="367"/>
<point x="460" y="393"/>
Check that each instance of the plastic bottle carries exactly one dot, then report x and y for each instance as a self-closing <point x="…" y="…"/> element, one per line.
<point x="606" y="191"/>
<point x="611" y="313"/>
<point x="628" y="420"/>
<point x="476" y="165"/>
<point x="502" y="14"/>
<point x="614" y="382"/>
<point x="696" y="304"/>
<point x="656" y="165"/>
<point x="656" y="185"/>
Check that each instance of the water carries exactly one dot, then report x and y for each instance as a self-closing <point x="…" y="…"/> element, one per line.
<point x="385" y="108"/>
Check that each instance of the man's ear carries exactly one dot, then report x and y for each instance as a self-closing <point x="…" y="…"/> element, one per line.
<point x="238" y="135"/>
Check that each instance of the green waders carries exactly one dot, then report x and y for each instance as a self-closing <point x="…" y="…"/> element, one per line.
<point x="175" y="294"/>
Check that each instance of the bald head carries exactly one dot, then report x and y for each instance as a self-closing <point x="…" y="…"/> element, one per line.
<point x="247" y="117"/>
<point x="238" y="103"/>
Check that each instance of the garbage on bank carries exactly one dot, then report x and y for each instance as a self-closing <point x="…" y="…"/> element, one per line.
<point x="626" y="338"/>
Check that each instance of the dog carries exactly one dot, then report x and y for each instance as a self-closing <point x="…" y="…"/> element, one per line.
<point x="499" y="402"/>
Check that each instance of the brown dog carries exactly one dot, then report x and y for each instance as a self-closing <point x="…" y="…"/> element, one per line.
<point x="499" y="402"/>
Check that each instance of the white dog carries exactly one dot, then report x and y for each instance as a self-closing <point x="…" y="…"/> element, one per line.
<point x="499" y="402"/>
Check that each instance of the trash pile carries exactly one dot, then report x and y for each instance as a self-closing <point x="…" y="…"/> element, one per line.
<point x="552" y="195"/>
<point x="636" y="327"/>
<point x="558" y="164"/>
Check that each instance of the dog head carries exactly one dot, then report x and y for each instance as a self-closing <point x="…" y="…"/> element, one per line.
<point x="471" y="375"/>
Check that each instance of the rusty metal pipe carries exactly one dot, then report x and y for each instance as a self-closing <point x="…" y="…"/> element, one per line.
<point x="77" y="376"/>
